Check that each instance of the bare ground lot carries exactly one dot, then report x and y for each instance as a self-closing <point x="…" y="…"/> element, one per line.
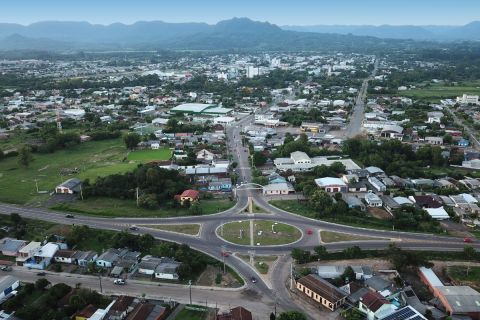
<point x="207" y="278"/>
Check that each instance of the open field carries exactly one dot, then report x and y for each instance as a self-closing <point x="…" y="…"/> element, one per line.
<point x="464" y="278"/>
<point x="150" y="155"/>
<point x="95" y="158"/>
<point x="185" y="314"/>
<point x="283" y="233"/>
<point x="192" y="229"/>
<point x="329" y="237"/>
<point x="438" y="91"/>
<point x="112" y="208"/>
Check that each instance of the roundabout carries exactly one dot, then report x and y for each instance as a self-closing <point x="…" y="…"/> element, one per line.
<point x="259" y="233"/>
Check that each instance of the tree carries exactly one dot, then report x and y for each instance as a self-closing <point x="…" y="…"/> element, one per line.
<point x="428" y="314"/>
<point x="234" y="164"/>
<point x="78" y="285"/>
<point x="321" y="252"/>
<point x="2" y="154"/>
<point x="304" y="272"/>
<point x="29" y="287"/>
<point x="300" y="255"/>
<point x="41" y="284"/>
<point x="259" y="158"/>
<point x="292" y="315"/>
<point x="25" y="156"/>
<point x="15" y="218"/>
<point x="272" y="316"/>
<point x="146" y="241"/>
<point x="319" y="200"/>
<point x="260" y="180"/>
<point x="58" y="267"/>
<point x="184" y="270"/>
<point x="77" y="302"/>
<point x="469" y="251"/>
<point x="131" y="140"/>
<point x="338" y="167"/>
<point x="352" y="252"/>
<point x="163" y="250"/>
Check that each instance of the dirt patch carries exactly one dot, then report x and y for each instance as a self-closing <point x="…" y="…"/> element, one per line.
<point x="250" y="295"/>
<point x="131" y="161"/>
<point x="375" y="264"/>
<point x="59" y="230"/>
<point x="208" y="278"/>
<point x="379" y="213"/>
<point x="59" y="198"/>
<point x="455" y="232"/>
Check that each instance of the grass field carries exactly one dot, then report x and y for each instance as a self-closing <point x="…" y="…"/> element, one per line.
<point x="459" y="273"/>
<point x="329" y="237"/>
<point x="146" y="130"/>
<point x="284" y="233"/>
<point x="95" y="158"/>
<point x="150" y="155"/>
<point x="192" y="229"/>
<point x="112" y="208"/>
<point x="185" y="314"/>
<point x="438" y="91"/>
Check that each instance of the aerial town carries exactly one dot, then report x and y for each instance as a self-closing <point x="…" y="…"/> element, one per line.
<point x="240" y="184"/>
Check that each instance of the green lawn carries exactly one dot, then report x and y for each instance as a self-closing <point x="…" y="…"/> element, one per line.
<point x="284" y="233"/>
<point x="113" y="207"/>
<point x="438" y="91"/>
<point x="36" y="294"/>
<point x="185" y="314"/>
<point x="262" y="268"/>
<point x="329" y="237"/>
<point x="94" y="158"/>
<point x="150" y="155"/>
<point x="192" y="229"/>
<point x="459" y="273"/>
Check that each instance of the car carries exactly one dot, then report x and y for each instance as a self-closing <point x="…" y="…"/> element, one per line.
<point x="245" y="150"/>
<point x="41" y="273"/>
<point x="253" y="279"/>
<point x="309" y="231"/>
<point x="224" y="254"/>
<point x="119" y="281"/>
<point x="467" y="240"/>
<point x="134" y="228"/>
<point x="235" y="149"/>
<point x="69" y="216"/>
<point x="7" y="269"/>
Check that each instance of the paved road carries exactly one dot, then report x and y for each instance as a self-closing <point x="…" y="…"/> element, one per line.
<point x="356" y="119"/>
<point x="470" y="132"/>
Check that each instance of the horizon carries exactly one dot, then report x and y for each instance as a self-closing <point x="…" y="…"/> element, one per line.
<point x="305" y="13"/>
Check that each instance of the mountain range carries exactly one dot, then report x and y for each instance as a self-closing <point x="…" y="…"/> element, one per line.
<point x="239" y="33"/>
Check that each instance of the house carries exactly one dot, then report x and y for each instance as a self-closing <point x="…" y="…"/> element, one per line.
<point x="429" y="278"/>
<point x="120" y="309"/>
<point x="12" y="247"/>
<point x="27" y="252"/>
<point x="389" y="204"/>
<point x="8" y="284"/>
<point x="86" y="312"/>
<point x="85" y="138"/>
<point x="148" y="265"/>
<point x="408" y="313"/>
<point x="332" y="184"/>
<point x="65" y="301"/>
<point x="425" y="201"/>
<point x="70" y="186"/>
<point x="82" y="258"/>
<point x="354" y="202"/>
<point x="44" y="256"/>
<point x="373" y="200"/>
<point x="374" y="171"/>
<point x="377" y="184"/>
<point x="167" y="269"/>
<point x="187" y="195"/>
<point x="109" y="258"/>
<point x="380" y="285"/>
<point x="128" y="261"/>
<point x="144" y="311"/>
<point x="434" y="140"/>
<point x="278" y="189"/>
<point x="418" y="183"/>
<point x="437" y="213"/>
<point x="330" y="272"/>
<point x="240" y="313"/>
<point x="459" y="300"/>
<point x="321" y="291"/>
<point x="373" y="304"/>
<point x="64" y="255"/>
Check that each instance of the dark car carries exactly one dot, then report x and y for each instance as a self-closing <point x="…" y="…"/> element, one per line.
<point x="41" y="273"/>
<point x="134" y="228"/>
<point x="253" y="279"/>
<point x="70" y="216"/>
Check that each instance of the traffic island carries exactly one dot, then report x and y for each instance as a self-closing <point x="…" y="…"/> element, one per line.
<point x="265" y="233"/>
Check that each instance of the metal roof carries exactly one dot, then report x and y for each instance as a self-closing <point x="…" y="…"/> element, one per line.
<point x="461" y="299"/>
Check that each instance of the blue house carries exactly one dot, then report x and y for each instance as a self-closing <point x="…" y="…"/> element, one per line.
<point x="463" y="143"/>
<point x="44" y="256"/>
<point x="275" y="178"/>
<point x="224" y="185"/>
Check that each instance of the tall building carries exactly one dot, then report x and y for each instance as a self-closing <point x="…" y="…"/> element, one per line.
<point x="252" y="71"/>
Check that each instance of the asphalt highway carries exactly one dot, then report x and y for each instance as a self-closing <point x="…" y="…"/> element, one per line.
<point x="210" y="243"/>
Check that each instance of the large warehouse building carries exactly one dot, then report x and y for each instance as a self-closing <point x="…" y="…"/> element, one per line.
<point x="197" y="108"/>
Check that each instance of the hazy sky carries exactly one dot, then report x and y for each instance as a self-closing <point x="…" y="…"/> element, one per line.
<point x="280" y="12"/>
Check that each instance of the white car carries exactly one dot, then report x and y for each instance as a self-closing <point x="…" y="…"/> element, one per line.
<point x="119" y="281"/>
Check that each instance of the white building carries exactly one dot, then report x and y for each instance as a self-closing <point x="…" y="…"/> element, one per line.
<point x="468" y="99"/>
<point x="373" y="200"/>
<point x="252" y="71"/>
<point x="76" y="114"/>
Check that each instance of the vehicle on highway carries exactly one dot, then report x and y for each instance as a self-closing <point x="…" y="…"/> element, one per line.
<point x="224" y="254"/>
<point x="253" y="279"/>
<point x="309" y="231"/>
<point x="467" y="240"/>
<point x="119" y="281"/>
<point x="7" y="269"/>
<point x="69" y="216"/>
<point x="134" y="228"/>
<point x="245" y="150"/>
<point x="41" y="273"/>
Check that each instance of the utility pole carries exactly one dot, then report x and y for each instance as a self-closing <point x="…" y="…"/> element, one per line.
<point x="137" y="195"/>
<point x="36" y="184"/>
<point x="190" y="286"/>
<point x="291" y="276"/>
<point x="100" y="278"/>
